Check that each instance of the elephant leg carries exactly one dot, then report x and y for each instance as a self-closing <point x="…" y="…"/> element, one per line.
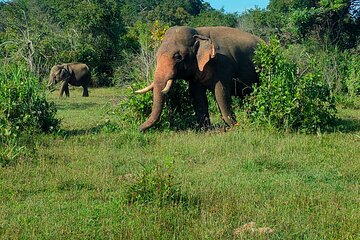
<point x="64" y="88"/>
<point x="201" y="105"/>
<point x="223" y="99"/>
<point x="85" y="92"/>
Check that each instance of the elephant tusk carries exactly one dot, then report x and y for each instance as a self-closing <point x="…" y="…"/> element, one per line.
<point x="167" y="87"/>
<point x="146" y="89"/>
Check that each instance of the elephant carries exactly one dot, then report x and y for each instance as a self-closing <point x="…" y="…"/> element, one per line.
<point x="76" y="74"/>
<point x="218" y="59"/>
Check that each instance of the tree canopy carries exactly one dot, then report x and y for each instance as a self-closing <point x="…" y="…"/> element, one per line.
<point x="101" y="33"/>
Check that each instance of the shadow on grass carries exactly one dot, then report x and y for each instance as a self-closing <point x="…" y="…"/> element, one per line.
<point x="347" y="125"/>
<point x="74" y="106"/>
<point x="104" y="127"/>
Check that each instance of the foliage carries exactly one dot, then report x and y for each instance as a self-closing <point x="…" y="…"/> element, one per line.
<point x="49" y="32"/>
<point x="140" y="65"/>
<point x="178" y="113"/>
<point x="352" y="77"/>
<point x="10" y="150"/>
<point x="172" y="12"/>
<point x="213" y="18"/>
<point x="135" y="108"/>
<point x="23" y="102"/>
<point x="286" y="100"/>
<point x="264" y="23"/>
<point x="23" y="109"/>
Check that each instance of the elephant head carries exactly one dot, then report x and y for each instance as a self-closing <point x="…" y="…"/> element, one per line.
<point x="182" y="54"/>
<point x="59" y="73"/>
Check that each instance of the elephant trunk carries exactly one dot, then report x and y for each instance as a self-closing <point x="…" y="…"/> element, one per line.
<point x="158" y="104"/>
<point x="51" y="82"/>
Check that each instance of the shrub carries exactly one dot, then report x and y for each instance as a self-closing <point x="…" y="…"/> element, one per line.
<point x="285" y="99"/>
<point x="23" y="109"/>
<point x="23" y="102"/>
<point x="178" y="112"/>
<point x="10" y="150"/>
<point x="352" y="79"/>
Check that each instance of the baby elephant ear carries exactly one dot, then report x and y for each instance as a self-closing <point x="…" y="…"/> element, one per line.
<point x="205" y="50"/>
<point x="62" y="73"/>
<point x="68" y="69"/>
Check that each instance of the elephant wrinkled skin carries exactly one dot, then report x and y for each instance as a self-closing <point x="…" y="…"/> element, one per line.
<point x="76" y="74"/>
<point x="218" y="59"/>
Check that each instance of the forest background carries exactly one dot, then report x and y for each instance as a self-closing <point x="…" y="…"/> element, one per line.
<point x="113" y="35"/>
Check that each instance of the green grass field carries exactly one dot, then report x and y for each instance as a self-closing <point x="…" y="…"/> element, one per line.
<point x="189" y="185"/>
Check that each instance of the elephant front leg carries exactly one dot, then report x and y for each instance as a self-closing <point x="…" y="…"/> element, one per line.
<point x="201" y="105"/>
<point x="65" y="88"/>
<point x="85" y="92"/>
<point x="223" y="99"/>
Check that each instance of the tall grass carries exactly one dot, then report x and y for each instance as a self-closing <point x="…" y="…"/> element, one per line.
<point x="23" y="109"/>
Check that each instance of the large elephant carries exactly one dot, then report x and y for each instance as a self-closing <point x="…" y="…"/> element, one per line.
<point x="218" y="59"/>
<point x="76" y="74"/>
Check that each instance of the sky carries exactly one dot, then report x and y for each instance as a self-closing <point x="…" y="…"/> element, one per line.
<point x="237" y="5"/>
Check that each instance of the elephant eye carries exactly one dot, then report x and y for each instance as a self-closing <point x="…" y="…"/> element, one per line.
<point x="177" y="57"/>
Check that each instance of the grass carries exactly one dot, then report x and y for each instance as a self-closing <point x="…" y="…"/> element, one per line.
<point x="76" y="185"/>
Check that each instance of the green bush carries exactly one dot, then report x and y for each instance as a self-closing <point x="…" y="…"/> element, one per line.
<point x="285" y="99"/>
<point x="23" y="101"/>
<point x="178" y="112"/>
<point x="352" y="79"/>
<point x="10" y="150"/>
<point x="23" y="109"/>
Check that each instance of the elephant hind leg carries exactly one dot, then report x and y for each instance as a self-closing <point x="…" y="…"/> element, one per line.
<point x="85" y="92"/>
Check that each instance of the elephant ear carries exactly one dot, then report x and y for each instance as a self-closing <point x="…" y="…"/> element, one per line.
<point x="65" y="72"/>
<point x="205" y="50"/>
<point x="68" y="69"/>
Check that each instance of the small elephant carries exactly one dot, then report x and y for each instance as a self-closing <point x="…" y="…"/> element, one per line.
<point x="218" y="59"/>
<point x="76" y="74"/>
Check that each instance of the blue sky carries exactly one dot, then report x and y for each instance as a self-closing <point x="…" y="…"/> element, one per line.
<point x="237" y="5"/>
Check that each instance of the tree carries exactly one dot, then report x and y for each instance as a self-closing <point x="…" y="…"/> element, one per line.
<point x="53" y="31"/>
<point x="213" y="17"/>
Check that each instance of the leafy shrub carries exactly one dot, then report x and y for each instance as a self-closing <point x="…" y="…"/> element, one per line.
<point x="352" y="79"/>
<point x="23" y="109"/>
<point x="340" y="69"/>
<point x="178" y="112"/>
<point x="285" y="99"/>
<point x="23" y="101"/>
<point x="10" y="150"/>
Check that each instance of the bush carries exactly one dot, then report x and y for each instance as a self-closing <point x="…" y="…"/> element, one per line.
<point x="285" y="99"/>
<point x="178" y="112"/>
<point x="10" y="150"/>
<point x="23" y="101"/>
<point x="352" y="79"/>
<point x="23" y="109"/>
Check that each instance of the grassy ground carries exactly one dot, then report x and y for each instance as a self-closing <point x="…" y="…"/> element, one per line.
<point x="91" y="182"/>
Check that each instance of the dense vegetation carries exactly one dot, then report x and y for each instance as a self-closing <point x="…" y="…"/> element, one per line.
<point x="79" y="168"/>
